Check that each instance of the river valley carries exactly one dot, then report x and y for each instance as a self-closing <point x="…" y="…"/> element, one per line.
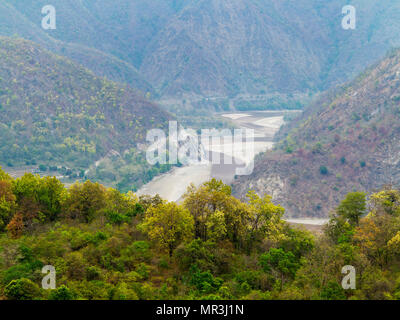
<point x="173" y="184"/>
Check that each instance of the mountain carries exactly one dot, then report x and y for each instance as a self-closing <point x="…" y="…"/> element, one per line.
<point x="15" y="23"/>
<point x="57" y="113"/>
<point x="218" y="47"/>
<point x="347" y="140"/>
<point x="214" y="48"/>
<point x="122" y="28"/>
<point x="226" y="47"/>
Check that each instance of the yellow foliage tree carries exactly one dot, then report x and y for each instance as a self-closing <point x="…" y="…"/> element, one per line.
<point x="168" y="225"/>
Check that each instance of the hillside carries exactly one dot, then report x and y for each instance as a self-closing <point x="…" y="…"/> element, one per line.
<point x="347" y="140"/>
<point x="226" y="47"/>
<point x="56" y="113"/>
<point x="191" y="49"/>
<point x="15" y="23"/>
<point x="107" y="245"/>
<point x="122" y="28"/>
<point x="268" y="46"/>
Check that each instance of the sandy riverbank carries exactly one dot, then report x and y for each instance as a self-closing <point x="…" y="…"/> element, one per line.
<point x="172" y="185"/>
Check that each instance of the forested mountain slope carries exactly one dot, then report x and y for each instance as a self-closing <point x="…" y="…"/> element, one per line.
<point x="17" y="24"/>
<point x="348" y="140"/>
<point x="221" y="48"/>
<point x="55" y="112"/>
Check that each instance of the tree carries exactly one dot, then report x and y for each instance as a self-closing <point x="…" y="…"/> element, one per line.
<point x="50" y="195"/>
<point x="205" y="282"/>
<point x="121" y="207"/>
<point x="281" y="262"/>
<point x="353" y="207"/>
<point x="196" y="252"/>
<point x="85" y="200"/>
<point x="338" y="229"/>
<point x="212" y="202"/>
<point x="373" y="236"/>
<point x="16" y="226"/>
<point x="203" y="201"/>
<point x="25" y="190"/>
<point x="4" y="176"/>
<point x="38" y="198"/>
<point x="264" y="219"/>
<point x="168" y="225"/>
<point x="216" y="226"/>
<point x="299" y="242"/>
<point x="26" y="187"/>
<point x="394" y="244"/>
<point x="323" y="170"/>
<point x="386" y="201"/>
<point x="146" y="201"/>
<point x="7" y="203"/>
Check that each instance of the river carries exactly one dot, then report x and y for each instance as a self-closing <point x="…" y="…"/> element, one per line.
<point x="173" y="184"/>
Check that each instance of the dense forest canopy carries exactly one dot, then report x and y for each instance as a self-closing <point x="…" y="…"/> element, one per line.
<point x="108" y="245"/>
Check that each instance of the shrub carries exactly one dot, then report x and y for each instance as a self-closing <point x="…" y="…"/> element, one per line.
<point x="323" y="170"/>
<point x="333" y="291"/>
<point x="61" y="293"/>
<point x="22" y="289"/>
<point x="205" y="282"/>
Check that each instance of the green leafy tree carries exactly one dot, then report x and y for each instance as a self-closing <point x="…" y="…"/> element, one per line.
<point x="264" y="219"/>
<point x="202" y="202"/>
<point x="121" y="207"/>
<point x="205" y="282"/>
<point x="386" y="201"/>
<point x="39" y="198"/>
<point x="50" y="195"/>
<point x="22" y="289"/>
<point x="7" y="203"/>
<point x="4" y="175"/>
<point x="168" y="225"/>
<point x="213" y="207"/>
<point x="281" y="262"/>
<point x="353" y="207"/>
